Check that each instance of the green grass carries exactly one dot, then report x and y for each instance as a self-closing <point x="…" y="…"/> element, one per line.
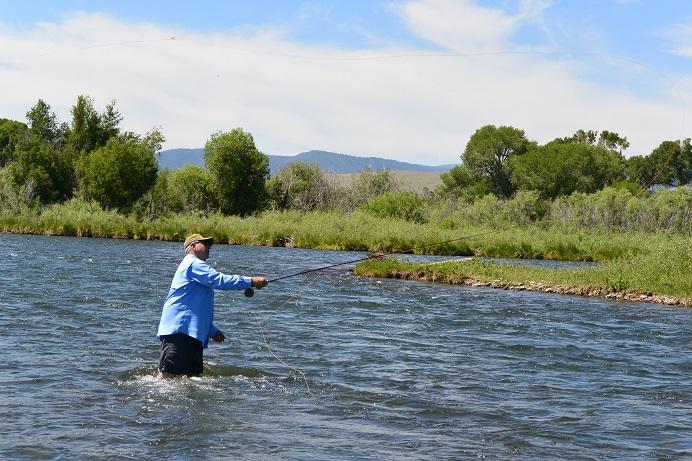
<point x="665" y="269"/>
<point x="358" y="231"/>
<point x="336" y="231"/>
<point x="631" y="262"/>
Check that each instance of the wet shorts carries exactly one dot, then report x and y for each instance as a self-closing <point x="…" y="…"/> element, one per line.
<point x="181" y="355"/>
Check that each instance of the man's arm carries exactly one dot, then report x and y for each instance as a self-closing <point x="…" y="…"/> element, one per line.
<point x="204" y="274"/>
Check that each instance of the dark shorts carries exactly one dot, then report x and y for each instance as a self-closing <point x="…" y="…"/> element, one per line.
<point x="181" y="355"/>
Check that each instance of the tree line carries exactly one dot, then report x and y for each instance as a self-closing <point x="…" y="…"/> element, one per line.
<point x="46" y="161"/>
<point x="501" y="161"/>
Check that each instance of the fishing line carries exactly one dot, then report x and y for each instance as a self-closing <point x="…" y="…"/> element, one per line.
<point x="96" y="46"/>
<point x="263" y="333"/>
<point x="384" y="57"/>
<point x="249" y="292"/>
<point x="399" y="56"/>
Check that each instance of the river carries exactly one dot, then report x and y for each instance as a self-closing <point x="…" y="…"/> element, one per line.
<point x="359" y="368"/>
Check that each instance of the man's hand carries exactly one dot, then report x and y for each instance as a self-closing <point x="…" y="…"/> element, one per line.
<point x="259" y="282"/>
<point x="218" y="337"/>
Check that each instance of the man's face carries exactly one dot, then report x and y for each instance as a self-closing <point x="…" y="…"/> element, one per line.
<point x="202" y="250"/>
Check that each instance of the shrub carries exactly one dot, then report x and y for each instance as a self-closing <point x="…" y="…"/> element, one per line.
<point x="403" y="205"/>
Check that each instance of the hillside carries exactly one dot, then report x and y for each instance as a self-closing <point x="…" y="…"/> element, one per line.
<point x="327" y="161"/>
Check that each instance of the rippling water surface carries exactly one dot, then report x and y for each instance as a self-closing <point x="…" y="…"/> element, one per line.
<point x="394" y="369"/>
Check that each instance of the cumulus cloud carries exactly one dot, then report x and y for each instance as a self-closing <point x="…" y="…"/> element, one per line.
<point x="463" y="26"/>
<point x="294" y="97"/>
<point x="681" y="36"/>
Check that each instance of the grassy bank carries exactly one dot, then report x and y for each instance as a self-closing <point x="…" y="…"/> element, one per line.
<point x="336" y="231"/>
<point x="663" y="274"/>
<point x="634" y="264"/>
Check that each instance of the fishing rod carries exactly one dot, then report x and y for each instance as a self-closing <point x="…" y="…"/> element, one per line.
<point x="249" y="292"/>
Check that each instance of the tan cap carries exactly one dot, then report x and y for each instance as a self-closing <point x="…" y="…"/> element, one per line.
<point x="190" y="239"/>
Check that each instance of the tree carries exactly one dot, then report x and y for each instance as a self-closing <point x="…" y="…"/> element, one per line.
<point x="119" y="173"/>
<point x="613" y="141"/>
<point x="89" y="129"/>
<point x="607" y="139"/>
<point x="239" y="170"/>
<point x="459" y="182"/>
<point x="44" y="123"/>
<point x="487" y="154"/>
<point x="640" y="169"/>
<point x="670" y="164"/>
<point x="191" y="188"/>
<point x="40" y="172"/>
<point x="188" y="189"/>
<point x="559" y="168"/>
<point x="299" y="185"/>
<point x="11" y="132"/>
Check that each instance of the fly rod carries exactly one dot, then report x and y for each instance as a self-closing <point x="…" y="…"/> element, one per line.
<point x="249" y="292"/>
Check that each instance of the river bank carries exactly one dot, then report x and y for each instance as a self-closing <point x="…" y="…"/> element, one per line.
<point x="632" y="265"/>
<point x="613" y="280"/>
<point x="355" y="231"/>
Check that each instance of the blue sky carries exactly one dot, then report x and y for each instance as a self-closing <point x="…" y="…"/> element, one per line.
<point x="409" y="79"/>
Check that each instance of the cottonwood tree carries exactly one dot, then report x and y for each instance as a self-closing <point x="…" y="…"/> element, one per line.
<point x="559" y="168"/>
<point x="191" y="188"/>
<point x="487" y="154"/>
<point x="606" y="139"/>
<point x="39" y="172"/>
<point x="11" y="132"/>
<point x="44" y="124"/>
<point x="119" y="173"/>
<point x="240" y="171"/>
<point x="670" y="164"/>
<point x="460" y="182"/>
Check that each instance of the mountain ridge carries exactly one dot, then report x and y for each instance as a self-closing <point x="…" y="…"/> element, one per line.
<point x="330" y="162"/>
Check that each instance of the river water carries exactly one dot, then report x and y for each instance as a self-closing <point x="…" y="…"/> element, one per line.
<point x="360" y="368"/>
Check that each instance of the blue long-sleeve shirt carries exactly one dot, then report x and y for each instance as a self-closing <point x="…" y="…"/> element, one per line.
<point x="189" y="306"/>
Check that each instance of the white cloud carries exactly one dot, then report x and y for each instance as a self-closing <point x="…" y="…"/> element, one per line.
<point x="681" y="36"/>
<point x="458" y="25"/>
<point x="297" y="97"/>
<point x="463" y="26"/>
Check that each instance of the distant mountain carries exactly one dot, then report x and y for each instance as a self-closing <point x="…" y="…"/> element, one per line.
<point x="175" y="158"/>
<point x="327" y="161"/>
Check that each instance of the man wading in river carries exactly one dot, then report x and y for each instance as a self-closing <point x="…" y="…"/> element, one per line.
<point x="186" y="321"/>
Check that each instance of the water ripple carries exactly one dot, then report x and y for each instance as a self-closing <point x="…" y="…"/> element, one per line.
<point x="372" y="369"/>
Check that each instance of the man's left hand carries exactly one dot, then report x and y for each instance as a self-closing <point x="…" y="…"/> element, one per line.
<point x="218" y="337"/>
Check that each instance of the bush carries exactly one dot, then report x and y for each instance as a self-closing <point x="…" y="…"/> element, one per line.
<point x="525" y="207"/>
<point x="618" y="208"/>
<point x="487" y="210"/>
<point x="403" y="205"/>
<point x="299" y="185"/>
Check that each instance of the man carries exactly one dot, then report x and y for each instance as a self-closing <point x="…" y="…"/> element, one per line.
<point x="187" y="318"/>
